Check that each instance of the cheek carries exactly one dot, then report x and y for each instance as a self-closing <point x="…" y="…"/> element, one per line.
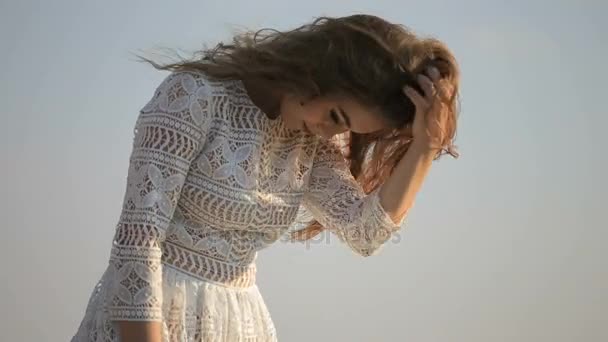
<point x="314" y="113"/>
<point x="293" y="113"/>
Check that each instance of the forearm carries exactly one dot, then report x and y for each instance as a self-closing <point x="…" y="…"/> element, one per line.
<point x="399" y="190"/>
<point x="135" y="331"/>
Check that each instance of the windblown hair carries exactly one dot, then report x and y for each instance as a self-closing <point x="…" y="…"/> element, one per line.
<point x="360" y="56"/>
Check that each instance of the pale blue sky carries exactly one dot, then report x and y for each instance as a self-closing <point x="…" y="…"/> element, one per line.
<point x="505" y="244"/>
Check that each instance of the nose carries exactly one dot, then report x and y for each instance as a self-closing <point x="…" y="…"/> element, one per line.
<point x="330" y="131"/>
<point x="326" y="132"/>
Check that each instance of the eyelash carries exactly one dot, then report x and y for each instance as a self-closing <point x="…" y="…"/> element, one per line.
<point x="334" y="116"/>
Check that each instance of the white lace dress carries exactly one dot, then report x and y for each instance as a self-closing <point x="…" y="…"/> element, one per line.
<point x="211" y="182"/>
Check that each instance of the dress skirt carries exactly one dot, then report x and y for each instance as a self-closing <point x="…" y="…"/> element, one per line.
<point x="194" y="310"/>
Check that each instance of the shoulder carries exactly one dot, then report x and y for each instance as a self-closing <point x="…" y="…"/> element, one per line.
<point x="191" y="83"/>
<point x="200" y="86"/>
<point x="183" y="95"/>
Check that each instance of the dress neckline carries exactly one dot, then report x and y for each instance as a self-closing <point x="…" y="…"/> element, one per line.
<point x="278" y="121"/>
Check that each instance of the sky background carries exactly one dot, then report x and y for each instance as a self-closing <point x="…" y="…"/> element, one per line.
<point x="506" y="243"/>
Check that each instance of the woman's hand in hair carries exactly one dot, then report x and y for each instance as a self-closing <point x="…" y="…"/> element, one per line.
<point x="432" y="109"/>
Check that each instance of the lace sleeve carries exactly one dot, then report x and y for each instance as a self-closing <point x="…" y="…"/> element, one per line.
<point x="169" y="132"/>
<point x="338" y="202"/>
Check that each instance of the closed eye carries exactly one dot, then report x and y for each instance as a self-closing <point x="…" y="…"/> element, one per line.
<point x="335" y="117"/>
<point x="340" y="118"/>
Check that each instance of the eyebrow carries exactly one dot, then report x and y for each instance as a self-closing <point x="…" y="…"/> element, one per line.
<point x="346" y="118"/>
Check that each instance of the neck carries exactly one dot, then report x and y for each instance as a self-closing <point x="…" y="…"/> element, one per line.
<point x="264" y="96"/>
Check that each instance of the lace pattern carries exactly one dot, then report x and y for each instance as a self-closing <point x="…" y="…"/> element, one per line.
<point x="339" y="203"/>
<point x="168" y="135"/>
<point x="212" y="181"/>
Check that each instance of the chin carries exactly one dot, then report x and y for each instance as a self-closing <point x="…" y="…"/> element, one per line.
<point x="292" y="127"/>
<point x="304" y="127"/>
<point x="295" y="126"/>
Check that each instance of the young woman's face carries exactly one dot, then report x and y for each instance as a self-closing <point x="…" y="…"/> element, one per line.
<point x="328" y="116"/>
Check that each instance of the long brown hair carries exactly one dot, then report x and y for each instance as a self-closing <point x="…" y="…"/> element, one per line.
<point x="362" y="56"/>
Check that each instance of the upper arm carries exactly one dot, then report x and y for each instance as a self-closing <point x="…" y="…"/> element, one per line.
<point x="169" y="133"/>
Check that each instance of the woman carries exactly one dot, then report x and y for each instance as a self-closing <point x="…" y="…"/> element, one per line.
<point x="233" y="144"/>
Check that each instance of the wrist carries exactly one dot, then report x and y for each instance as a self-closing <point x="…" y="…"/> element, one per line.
<point x="424" y="148"/>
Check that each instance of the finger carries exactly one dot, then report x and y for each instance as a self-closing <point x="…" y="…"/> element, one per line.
<point x="419" y="101"/>
<point x="442" y="86"/>
<point x="434" y="74"/>
<point x="427" y="86"/>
